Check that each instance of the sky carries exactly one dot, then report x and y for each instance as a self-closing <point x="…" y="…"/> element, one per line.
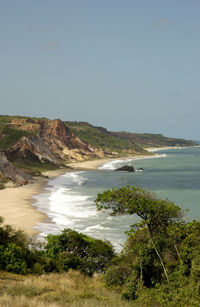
<point x="131" y="65"/>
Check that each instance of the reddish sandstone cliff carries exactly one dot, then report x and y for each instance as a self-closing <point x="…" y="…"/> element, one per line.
<point x="52" y="141"/>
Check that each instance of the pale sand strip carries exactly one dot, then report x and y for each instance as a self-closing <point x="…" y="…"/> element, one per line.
<point x="90" y="165"/>
<point x="95" y="164"/>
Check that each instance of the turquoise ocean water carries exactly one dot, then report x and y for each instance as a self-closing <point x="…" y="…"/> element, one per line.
<point x="68" y="200"/>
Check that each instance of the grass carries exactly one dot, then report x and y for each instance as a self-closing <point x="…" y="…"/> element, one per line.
<point x="102" y="139"/>
<point x="35" y="167"/>
<point x="67" y="289"/>
<point x="152" y="140"/>
<point x="11" y="136"/>
<point x="76" y="290"/>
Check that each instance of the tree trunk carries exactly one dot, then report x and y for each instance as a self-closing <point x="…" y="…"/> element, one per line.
<point x="141" y="271"/>
<point x="177" y="251"/>
<point x="159" y="256"/>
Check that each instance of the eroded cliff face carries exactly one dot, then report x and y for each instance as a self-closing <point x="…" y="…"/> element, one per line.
<point x="51" y="141"/>
<point x="11" y="172"/>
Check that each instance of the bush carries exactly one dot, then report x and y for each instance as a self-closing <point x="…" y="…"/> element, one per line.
<point x="75" y="250"/>
<point x="195" y="269"/>
<point x="117" y="275"/>
<point x="12" y="259"/>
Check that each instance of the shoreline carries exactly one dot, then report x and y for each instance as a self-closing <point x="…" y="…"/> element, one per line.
<point x="16" y="203"/>
<point x="154" y="149"/>
<point x="93" y="165"/>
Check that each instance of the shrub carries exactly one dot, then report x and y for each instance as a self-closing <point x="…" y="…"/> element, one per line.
<point x="12" y="259"/>
<point x="117" y="275"/>
<point x="74" y="250"/>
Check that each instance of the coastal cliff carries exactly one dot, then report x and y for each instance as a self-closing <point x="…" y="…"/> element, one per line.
<point x="8" y="171"/>
<point x="38" y="144"/>
<point x="50" y="141"/>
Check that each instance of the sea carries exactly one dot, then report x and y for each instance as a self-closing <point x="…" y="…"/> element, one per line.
<point x="69" y="200"/>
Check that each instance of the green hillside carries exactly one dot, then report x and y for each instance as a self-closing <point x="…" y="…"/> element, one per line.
<point x="152" y="140"/>
<point x="100" y="137"/>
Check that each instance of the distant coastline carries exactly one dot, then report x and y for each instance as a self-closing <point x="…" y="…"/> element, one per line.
<point x="154" y="149"/>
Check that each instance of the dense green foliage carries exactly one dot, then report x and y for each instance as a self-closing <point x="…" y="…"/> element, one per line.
<point x="68" y="250"/>
<point x="162" y="254"/>
<point x="13" y="249"/>
<point x="74" y="250"/>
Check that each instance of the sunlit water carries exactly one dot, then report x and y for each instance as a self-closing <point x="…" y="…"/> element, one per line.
<point x="68" y="200"/>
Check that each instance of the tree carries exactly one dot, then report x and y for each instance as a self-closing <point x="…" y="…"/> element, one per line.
<point x="156" y="214"/>
<point x="74" y="250"/>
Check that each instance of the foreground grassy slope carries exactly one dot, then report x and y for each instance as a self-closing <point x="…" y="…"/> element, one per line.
<point x="134" y="277"/>
<point x="118" y="141"/>
<point x="52" y="290"/>
<point x="75" y="290"/>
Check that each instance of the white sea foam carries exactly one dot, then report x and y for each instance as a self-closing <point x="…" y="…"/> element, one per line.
<point x="152" y="157"/>
<point x="66" y="207"/>
<point x="96" y="227"/>
<point x="111" y="165"/>
<point x="75" y="177"/>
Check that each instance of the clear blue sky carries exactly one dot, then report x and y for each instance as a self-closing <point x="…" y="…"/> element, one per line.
<point x="129" y="65"/>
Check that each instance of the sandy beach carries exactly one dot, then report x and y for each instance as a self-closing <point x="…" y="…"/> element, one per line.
<point x="16" y="202"/>
<point x="95" y="164"/>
